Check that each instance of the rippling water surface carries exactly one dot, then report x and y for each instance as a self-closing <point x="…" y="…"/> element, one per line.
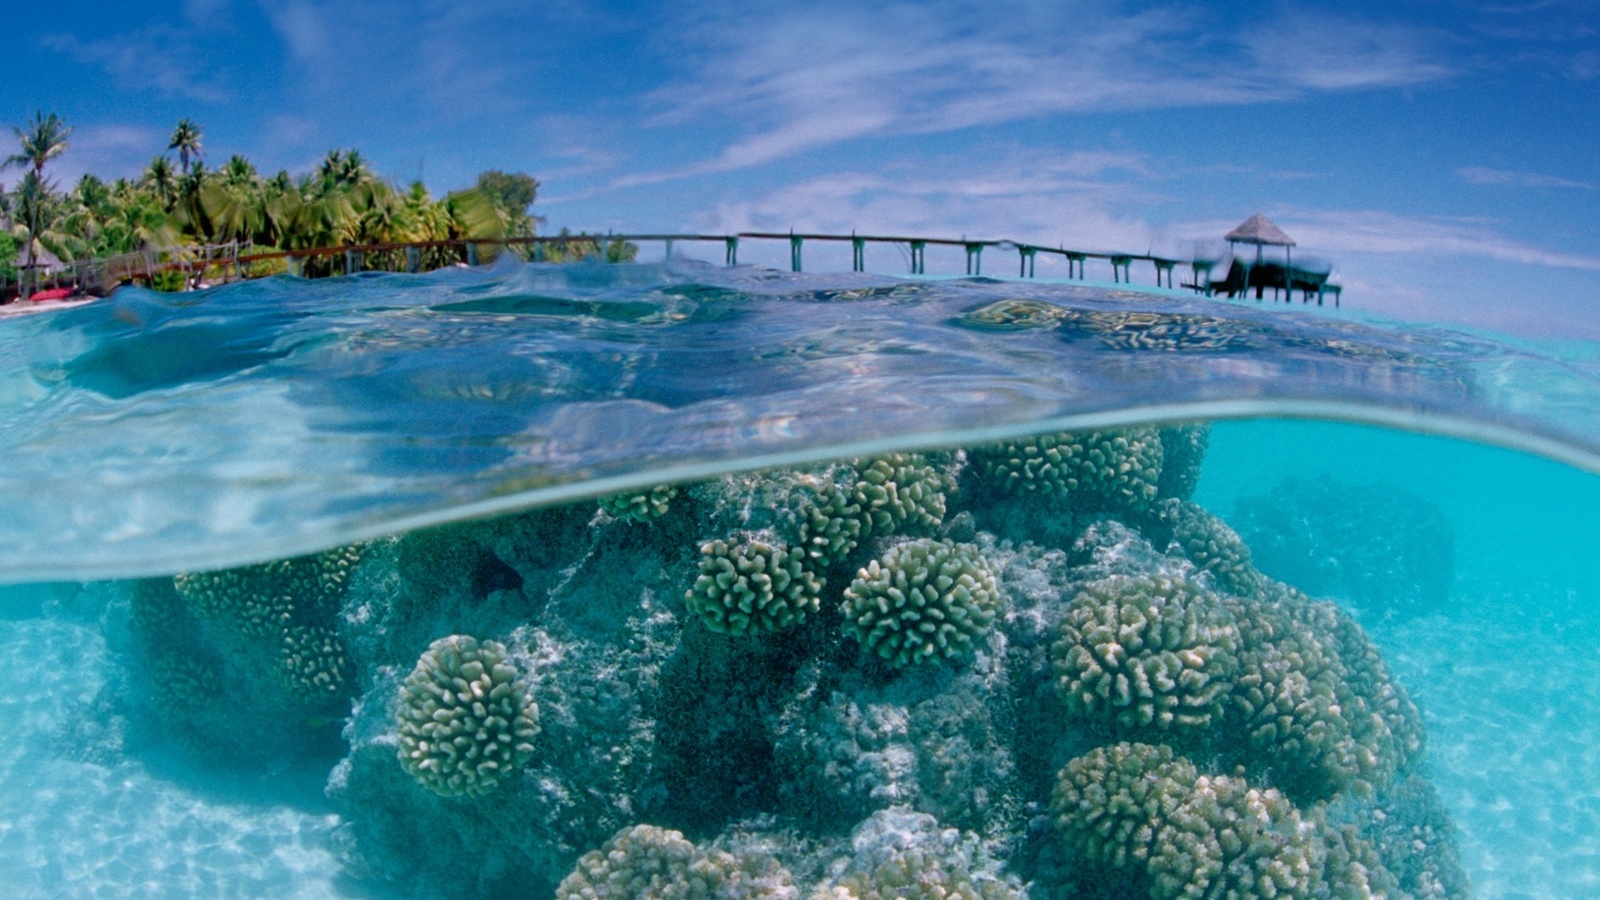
<point x="1390" y="525"/>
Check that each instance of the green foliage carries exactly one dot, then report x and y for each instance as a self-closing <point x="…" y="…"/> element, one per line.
<point x="8" y="256"/>
<point x="512" y="193"/>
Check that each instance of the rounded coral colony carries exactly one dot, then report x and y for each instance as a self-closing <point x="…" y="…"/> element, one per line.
<point x="751" y="585"/>
<point x="1146" y="652"/>
<point x="464" y="723"/>
<point x="642" y="506"/>
<point x="923" y="600"/>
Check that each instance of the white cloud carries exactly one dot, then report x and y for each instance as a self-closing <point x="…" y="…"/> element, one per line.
<point x="305" y="29"/>
<point x="1508" y="178"/>
<point x="159" y="58"/>
<point x="821" y="74"/>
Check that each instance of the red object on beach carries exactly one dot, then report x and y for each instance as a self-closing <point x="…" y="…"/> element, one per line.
<point x="53" y="294"/>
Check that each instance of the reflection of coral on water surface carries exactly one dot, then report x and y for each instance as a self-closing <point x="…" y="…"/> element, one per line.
<point x="1028" y="669"/>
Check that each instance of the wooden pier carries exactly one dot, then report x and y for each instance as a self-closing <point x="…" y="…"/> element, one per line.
<point x="220" y="263"/>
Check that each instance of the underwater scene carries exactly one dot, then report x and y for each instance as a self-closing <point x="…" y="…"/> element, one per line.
<point x="672" y="581"/>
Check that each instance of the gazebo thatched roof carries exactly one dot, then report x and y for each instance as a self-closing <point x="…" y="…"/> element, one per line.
<point x="1258" y="229"/>
<point x="43" y="259"/>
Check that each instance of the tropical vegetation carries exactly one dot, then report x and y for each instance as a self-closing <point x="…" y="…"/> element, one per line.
<point x="182" y="203"/>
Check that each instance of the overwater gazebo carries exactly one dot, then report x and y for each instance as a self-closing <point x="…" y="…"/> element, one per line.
<point x="1260" y="230"/>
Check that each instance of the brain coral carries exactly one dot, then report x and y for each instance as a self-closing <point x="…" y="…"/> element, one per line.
<point x="1111" y="803"/>
<point x="315" y="663"/>
<point x="751" y="585"/>
<point x="831" y="521"/>
<point x="923" y="600"/>
<point x="900" y="492"/>
<point x="640" y="507"/>
<point x="1183" y="450"/>
<point x="1152" y="819"/>
<point x="649" y="862"/>
<point x="464" y="723"/>
<point x="1099" y="469"/>
<point x="1315" y="700"/>
<point x="1209" y="543"/>
<point x="264" y="599"/>
<point x="1146" y="652"/>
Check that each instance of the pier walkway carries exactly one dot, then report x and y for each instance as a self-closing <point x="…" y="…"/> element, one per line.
<point x="216" y="263"/>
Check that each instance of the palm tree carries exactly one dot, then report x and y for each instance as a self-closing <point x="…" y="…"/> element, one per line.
<point x="186" y="140"/>
<point x="44" y="139"/>
<point x="158" y="177"/>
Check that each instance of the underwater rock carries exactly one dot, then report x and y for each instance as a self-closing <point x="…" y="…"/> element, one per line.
<point x="901" y="855"/>
<point x="932" y="739"/>
<point x="1383" y="548"/>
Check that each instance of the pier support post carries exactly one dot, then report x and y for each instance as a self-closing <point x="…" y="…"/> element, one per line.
<point x="351" y="263"/>
<point x="733" y="251"/>
<point x="974" y="259"/>
<point x="1075" y="260"/>
<point x="794" y="251"/>
<point x="413" y="260"/>
<point x="1202" y="276"/>
<point x="472" y="254"/>
<point x="1164" y="266"/>
<point x="919" y="251"/>
<point x="1025" y="256"/>
<point x="297" y="265"/>
<point x="668" y="256"/>
<point x="1120" y="269"/>
<point x="858" y="254"/>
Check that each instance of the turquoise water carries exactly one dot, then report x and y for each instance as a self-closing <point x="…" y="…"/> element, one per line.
<point x="1423" y="604"/>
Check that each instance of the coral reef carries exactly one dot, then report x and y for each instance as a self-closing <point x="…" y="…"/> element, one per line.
<point x="1149" y="818"/>
<point x="1183" y="452"/>
<point x="1383" y="548"/>
<point x="900" y="493"/>
<point x="642" y="506"/>
<point x="646" y="861"/>
<point x="752" y="585"/>
<point x="464" y="723"/>
<point x="1146" y="653"/>
<point x="1096" y="470"/>
<point x="850" y="681"/>
<point x="923" y="600"/>
<point x="1210" y="544"/>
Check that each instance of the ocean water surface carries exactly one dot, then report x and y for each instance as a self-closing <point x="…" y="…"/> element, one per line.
<point x="680" y="581"/>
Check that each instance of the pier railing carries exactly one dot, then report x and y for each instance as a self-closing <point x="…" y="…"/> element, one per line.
<point x="214" y="263"/>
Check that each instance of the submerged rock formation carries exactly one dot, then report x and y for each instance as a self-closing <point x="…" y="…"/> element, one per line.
<point x="1031" y="669"/>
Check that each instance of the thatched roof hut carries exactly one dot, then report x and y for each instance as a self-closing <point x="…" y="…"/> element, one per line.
<point x="1259" y="230"/>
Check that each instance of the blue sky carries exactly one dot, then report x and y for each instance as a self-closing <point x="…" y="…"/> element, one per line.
<point x="1445" y="155"/>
